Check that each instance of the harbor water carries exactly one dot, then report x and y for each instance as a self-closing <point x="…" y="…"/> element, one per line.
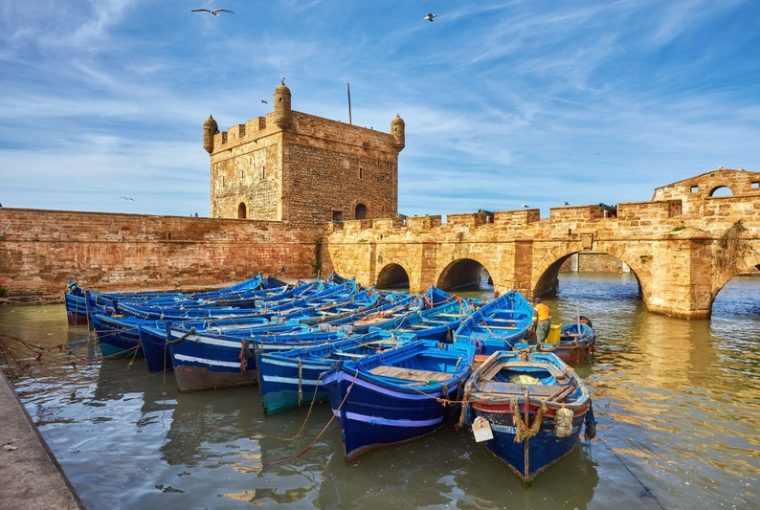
<point x="677" y="404"/>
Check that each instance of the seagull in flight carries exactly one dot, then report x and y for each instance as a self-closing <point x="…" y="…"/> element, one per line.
<point x="526" y="206"/>
<point x="128" y="198"/>
<point x="215" y="12"/>
<point x="430" y="17"/>
<point x="264" y="101"/>
<point x="567" y="203"/>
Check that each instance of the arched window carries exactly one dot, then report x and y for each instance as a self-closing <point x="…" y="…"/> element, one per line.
<point x="360" y="212"/>
<point x="721" y="191"/>
<point x="241" y="211"/>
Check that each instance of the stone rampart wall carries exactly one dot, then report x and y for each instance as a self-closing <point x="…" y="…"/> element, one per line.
<point x="40" y="250"/>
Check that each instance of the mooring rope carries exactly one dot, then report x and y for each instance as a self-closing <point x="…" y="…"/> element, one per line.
<point x="324" y="429"/>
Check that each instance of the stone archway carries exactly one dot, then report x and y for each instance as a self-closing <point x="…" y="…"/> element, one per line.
<point x="393" y="276"/>
<point x="242" y="213"/>
<point x="547" y="283"/>
<point x="750" y="262"/>
<point x="461" y="274"/>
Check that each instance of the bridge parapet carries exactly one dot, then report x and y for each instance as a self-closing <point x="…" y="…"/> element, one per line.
<point x="467" y="219"/>
<point x="575" y="213"/>
<point x="520" y="217"/>
<point x="422" y="223"/>
<point x="660" y="210"/>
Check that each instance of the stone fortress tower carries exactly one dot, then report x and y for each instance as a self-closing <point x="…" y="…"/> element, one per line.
<point x="298" y="168"/>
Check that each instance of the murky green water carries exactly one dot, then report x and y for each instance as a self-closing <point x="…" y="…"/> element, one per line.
<point x="678" y="406"/>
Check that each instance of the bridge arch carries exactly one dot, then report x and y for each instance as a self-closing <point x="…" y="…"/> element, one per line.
<point x="462" y="273"/>
<point x="749" y="262"/>
<point x="547" y="282"/>
<point x="392" y="276"/>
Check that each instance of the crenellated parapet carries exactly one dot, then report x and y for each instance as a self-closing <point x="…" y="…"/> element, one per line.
<point x="292" y="166"/>
<point x="681" y="257"/>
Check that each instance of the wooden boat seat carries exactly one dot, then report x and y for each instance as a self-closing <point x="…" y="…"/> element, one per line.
<point x="411" y="374"/>
<point x="492" y="326"/>
<point x="496" y="319"/>
<point x="433" y="321"/>
<point x="451" y="315"/>
<point x="349" y="354"/>
<point x="534" y="390"/>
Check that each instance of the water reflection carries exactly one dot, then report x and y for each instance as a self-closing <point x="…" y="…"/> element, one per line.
<point x="678" y="404"/>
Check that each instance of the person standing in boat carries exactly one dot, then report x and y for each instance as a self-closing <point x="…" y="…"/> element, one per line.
<point x="542" y="317"/>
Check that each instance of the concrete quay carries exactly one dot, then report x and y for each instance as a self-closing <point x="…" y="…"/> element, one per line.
<point x="31" y="478"/>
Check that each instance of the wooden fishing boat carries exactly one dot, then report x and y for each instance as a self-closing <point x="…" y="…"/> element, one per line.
<point x="436" y="323"/>
<point x="326" y="295"/>
<point x="392" y="396"/>
<point x="576" y="344"/>
<point x="497" y="325"/>
<point x="289" y="379"/>
<point x="528" y="409"/>
<point x="205" y="360"/>
<point x="80" y="303"/>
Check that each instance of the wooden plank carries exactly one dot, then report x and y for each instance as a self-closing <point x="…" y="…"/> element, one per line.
<point x="349" y="354"/>
<point x="536" y="390"/>
<point x="451" y="315"/>
<point x="493" y="326"/>
<point x="411" y="374"/>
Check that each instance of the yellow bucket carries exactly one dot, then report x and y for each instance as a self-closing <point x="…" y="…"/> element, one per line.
<point x="554" y="332"/>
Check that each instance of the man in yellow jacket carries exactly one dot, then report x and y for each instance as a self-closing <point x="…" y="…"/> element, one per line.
<point x="543" y="318"/>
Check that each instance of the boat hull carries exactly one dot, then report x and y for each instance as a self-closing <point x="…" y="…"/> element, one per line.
<point x="288" y="384"/>
<point x="115" y="339"/>
<point x="529" y="457"/>
<point x="211" y="364"/>
<point x="373" y="415"/>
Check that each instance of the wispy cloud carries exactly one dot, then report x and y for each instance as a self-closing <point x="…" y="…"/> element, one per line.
<point x="506" y="102"/>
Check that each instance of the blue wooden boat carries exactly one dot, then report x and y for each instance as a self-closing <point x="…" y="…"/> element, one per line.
<point x="117" y="337"/>
<point x="289" y="379"/>
<point x="531" y="405"/>
<point x="436" y="323"/>
<point x="391" y="397"/>
<point x="78" y="306"/>
<point x="176" y="313"/>
<point x="153" y="334"/>
<point x="576" y="343"/>
<point x="204" y="360"/>
<point x="497" y="325"/>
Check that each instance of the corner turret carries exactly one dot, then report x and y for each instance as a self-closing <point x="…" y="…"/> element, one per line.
<point x="398" y="132"/>
<point x="282" y="106"/>
<point x="210" y="128"/>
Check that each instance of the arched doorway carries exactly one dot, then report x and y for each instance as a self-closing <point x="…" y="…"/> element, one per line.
<point x="360" y="212"/>
<point x="393" y="276"/>
<point x="465" y="274"/>
<point x="241" y="211"/>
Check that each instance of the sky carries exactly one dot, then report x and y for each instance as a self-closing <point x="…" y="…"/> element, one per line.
<point x="506" y="103"/>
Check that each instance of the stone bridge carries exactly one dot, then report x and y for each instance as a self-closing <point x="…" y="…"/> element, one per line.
<point x="683" y="246"/>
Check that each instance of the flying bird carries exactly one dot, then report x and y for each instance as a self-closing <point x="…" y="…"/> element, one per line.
<point x="128" y="198"/>
<point x="430" y="17"/>
<point x="215" y="12"/>
<point x="264" y="101"/>
<point x="567" y="203"/>
<point x="526" y="205"/>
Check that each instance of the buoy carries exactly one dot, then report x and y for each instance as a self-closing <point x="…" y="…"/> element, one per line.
<point x="563" y="422"/>
<point x="481" y="428"/>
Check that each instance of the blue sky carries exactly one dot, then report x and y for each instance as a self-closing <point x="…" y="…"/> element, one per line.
<point x="505" y="102"/>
